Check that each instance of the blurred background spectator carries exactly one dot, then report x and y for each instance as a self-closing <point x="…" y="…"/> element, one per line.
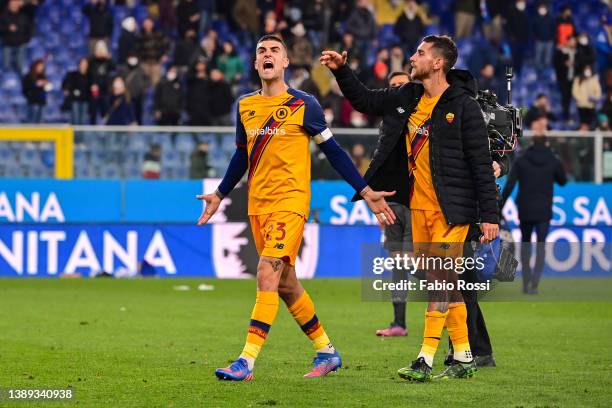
<point x="77" y="93"/>
<point x="199" y="168"/>
<point x="151" y="165"/>
<point x="100" y="22"/>
<point x="35" y="87"/>
<point x="169" y="99"/>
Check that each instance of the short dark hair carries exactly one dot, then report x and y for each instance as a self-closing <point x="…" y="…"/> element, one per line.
<point x="447" y="47"/>
<point x="396" y="73"/>
<point x="272" y="37"/>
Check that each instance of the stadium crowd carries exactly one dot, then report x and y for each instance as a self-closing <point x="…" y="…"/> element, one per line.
<point x="169" y="62"/>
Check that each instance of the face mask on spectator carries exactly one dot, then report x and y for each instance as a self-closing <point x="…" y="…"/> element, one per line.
<point x="329" y="118"/>
<point x="171" y="75"/>
<point x="357" y="120"/>
<point x="588" y="72"/>
<point x="132" y="61"/>
<point x="521" y="5"/>
<point x="542" y="11"/>
<point x="583" y="40"/>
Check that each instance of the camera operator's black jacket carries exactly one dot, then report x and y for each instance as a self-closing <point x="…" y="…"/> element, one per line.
<point x="461" y="165"/>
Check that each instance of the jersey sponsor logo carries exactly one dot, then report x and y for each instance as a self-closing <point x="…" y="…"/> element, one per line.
<point x="265" y="132"/>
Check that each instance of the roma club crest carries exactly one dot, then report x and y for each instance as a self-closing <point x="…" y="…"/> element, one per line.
<point x="450" y="117"/>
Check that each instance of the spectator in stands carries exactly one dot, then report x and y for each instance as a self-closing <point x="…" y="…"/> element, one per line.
<point x="517" y="32"/>
<point x="169" y="99"/>
<point x="208" y="49"/>
<point x="348" y="45"/>
<point x="540" y="107"/>
<point x="564" y="62"/>
<point x="603" y="123"/>
<point x="137" y="83"/>
<point x="151" y="165"/>
<point x="380" y="70"/>
<point x="247" y="22"/>
<point x="101" y="68"/>
<point x="564" y="26"/>
<point x="35" y="86"/>
<point x="543" y="29"/>
<point x="152" y="47"/>
<point x="315" y="17"/>
<point x="188" y="16"/>
<point x="221" y="95"/>
<point x="120" y="111"/>
<point x="77" y="93"/>
<point x="184" y="50"/>
<point x="167" y="17"/>
<point x="333" y="101"/>
<point x="492" y="15"/>
<point x="230" y="63"/>
<point x="198" y="96"/>
<point x="487" y="79"/>
<point x="300" y="47"/>
<point x="409" y="27"/>
<point x="465" y="17"/>
<point x="536" y="171"/>
<point x="585" y="53"/>
<point x="358" y="154"/>
<point x="199" y="167"/>
<point x="587" y="92"/>
<point x="362" y="25"/>
<point x="397" y="59"/>
<point x="100" y="18"/>
<point x="16" y="28"/>
<point x="603" y="44"/>
<point x="127" y="39"/>
<point x="300" y="79"/>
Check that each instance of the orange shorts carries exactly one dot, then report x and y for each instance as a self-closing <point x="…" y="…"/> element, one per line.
<point x="430" y="230"/>
<point x="278" y="235"/>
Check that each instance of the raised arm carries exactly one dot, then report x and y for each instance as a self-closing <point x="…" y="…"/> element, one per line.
<point x="363" y="99"/>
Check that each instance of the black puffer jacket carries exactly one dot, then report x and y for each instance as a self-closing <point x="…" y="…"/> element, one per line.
<point x="461" y="165"/>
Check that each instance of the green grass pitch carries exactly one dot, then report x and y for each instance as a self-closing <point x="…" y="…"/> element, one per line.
<point x="123" y="343"/>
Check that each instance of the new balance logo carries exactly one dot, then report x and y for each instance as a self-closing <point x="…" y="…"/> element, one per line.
<point x="279" y="245"/>
<point x="252" y="113"/>
<point x="400" y="110"/>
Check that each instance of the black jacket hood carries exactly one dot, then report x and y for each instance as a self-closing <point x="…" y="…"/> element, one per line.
<point x="462" y="81"/>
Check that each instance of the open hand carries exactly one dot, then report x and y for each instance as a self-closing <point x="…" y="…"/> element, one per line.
<point x="212" y="204"/>
<point x="378" y="205"/>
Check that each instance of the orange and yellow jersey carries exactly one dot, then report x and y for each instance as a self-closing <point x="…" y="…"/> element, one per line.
<point x="422" y="193"/>
<point x="276" y="131"/>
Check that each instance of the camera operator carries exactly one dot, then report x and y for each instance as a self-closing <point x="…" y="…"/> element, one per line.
<point x="451" y="181"/>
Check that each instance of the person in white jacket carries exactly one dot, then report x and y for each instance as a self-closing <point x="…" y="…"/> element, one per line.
<point x="587" y="93"/>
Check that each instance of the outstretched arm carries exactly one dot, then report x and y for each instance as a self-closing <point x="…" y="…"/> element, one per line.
<point x="342" y="163"/>
<point x="237" y="167"/>
<point x="363" y="99"/>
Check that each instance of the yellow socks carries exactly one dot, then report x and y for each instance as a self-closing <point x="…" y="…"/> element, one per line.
<point x="458" y="332"/>
<point x="264" y="313"/>
<point x="303" y="312"/>
<point x="434" y="324"/>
